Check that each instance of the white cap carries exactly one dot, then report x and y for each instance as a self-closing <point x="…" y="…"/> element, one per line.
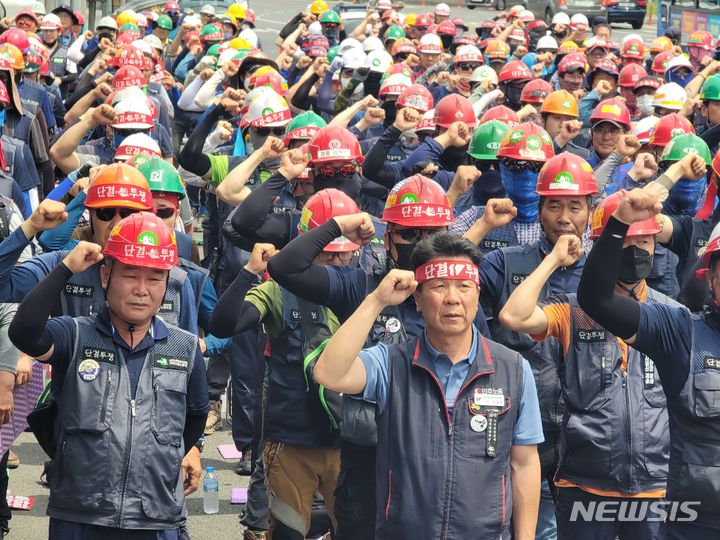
<point x="670" y="96"/>
<point x="430" y="44"/>
<point x="679" y="61"/>
<point x="349" y="43"/>
<point x="561" y="18"/>
<point x="207" y="9"/>
<point x="579" y="18"/>
<point x="484" y="73"/>
<point x="353" y="58"/>
<point x="378" y="61"/>
<point x="643" y="128"/>
<point x="442" y="9"/>
<point x="250" y="36"/>
<point x="547" y="42"/>
<point x="372" y="43"/>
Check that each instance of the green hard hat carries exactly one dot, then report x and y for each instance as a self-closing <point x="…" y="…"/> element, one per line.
<point x="304" y="126"/>
<point x="332" y="53"/>
<point x="486" y="139"/>
<point x="210" y="29"/>
<point x="394" y="32"/>
<point x="161" y="175"/>
<point x="330" y="17"/>
<point x="683" y="144"/>
<point x="711" y="89"/>
<point x="165" y="22"/>
<point x="129" y="27"/>
<point x="214" y="50"/>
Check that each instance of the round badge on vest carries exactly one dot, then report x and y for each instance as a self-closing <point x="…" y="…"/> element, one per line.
<point x="88" y="370"/>
<point x="392" y="325"/>
<point x="478" y="423"/>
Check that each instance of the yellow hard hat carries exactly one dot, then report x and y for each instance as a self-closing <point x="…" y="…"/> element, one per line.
<point x="240" y="44"/>
<point x="237" y="11"/>
<point x="318" y="7"/>
<point x="410" y="19"/>
<point x="230" y="16"/>
<point x="126" y="17"/>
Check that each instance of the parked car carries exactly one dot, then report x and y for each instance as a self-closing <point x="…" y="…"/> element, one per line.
<point x="626" y="11"/>
<point x="546" y="9"/>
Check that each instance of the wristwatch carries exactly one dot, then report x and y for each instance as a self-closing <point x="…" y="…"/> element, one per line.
<point x="200" y="445"/>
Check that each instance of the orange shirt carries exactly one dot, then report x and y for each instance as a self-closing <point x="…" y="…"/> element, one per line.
<point x="558" y="317"/>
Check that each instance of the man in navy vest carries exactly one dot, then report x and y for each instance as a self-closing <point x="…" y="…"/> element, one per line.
<point x="458" y="417"/>
<point x="130" y="390"/>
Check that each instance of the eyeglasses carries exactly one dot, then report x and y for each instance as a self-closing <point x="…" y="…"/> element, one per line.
<point x="166" y="212"/>
<point x="347" y="170"/>
<point x="422" y="28"/>
<point x="107" y="214"/>
<point x="265" y="131"/>
<point x="413" y="235"/>
<point x="465" y="66"/>
<point x="329" y="257"/>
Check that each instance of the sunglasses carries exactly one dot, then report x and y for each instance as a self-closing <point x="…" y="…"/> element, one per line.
<point x="422" y="28"/>
<point x="346" y="170"/>
<point x="400" y="57"/>
<point x="413" y="235"/>
<point x="265" y="131"/>
<point x="468" y="67"/>
<point x="107" y="214"/>
<point x="165" y="212"/>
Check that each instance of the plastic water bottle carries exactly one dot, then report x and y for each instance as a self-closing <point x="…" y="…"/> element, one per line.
<point x="211" y="492"/>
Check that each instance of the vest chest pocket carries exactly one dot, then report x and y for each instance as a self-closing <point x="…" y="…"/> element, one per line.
<point x="169" y="402"/>
<point x="652" y="389"/>
<point x="483" y="432"/>
<point x="707" y="393"/>
<point x="588" y="374"/>
<point x="91" y="408"/>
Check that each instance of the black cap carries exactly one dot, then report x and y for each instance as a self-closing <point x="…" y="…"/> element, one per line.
<point x="67" y="9"/>
<point x="673" y="32"/>
<point x="597" y="21"/>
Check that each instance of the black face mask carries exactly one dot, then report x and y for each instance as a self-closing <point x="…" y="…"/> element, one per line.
<point x="489" y="186"/>
<point x="635" y="264"/>
<point x="404" y="256"/>
<point x="390" y="112"/>
<point x="512" y="95"/>
<point x="562" y="35"/>
<point x="453" y="156"/>
<point x="348" y="185"/>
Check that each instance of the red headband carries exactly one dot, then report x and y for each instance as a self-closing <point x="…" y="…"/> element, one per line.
<point x="447" y="269"/>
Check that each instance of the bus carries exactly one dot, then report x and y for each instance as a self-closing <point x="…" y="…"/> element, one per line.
<point x="689" y="16"/>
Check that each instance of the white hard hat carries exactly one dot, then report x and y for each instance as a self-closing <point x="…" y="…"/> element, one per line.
<point x="250" y="36"/>
<point x="349" y="43"/>
<point x="526" y="16"/>
<point x="153" y="41"/>
<point x="207" y="9"/>
<point x="644" y="127"/>
<point x="192" y="20"/>
<point x="38" y="8"/>
<point x="372" y="43"/>
<point x="132" y="114"/>
<point x="136" y="143"/>
<point x="226" y="56"/>
<point x="378" y="61"/>
<point x="314" y="28"/>
<point x="107" y="22"/>
<point x="353" y="59"/>
<point x="427" y="122"/>
<point x="430" y="44"/>
<point x="679" y="61"/>
<point x="468" y="53"/>
<point x="632" y="36"/>
<point x="547" y="42"/>
<point x="670" y="96"/>
<point x="50" y="22"/>
<point x="142" y="45"/>
<point x="268" y="110"/>
<point x="394" y="85"/>
<point x="579" y="18"/>
<point x="442" y="9"/>
<point x="484" y="73"/>
<point x="561" y="18"/>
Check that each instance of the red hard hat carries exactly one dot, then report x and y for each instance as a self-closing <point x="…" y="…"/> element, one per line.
<point x="701" y="39"/>
<point x="321" y="208"/>
<point x="171" y="6"/>
<point x="505" y="114"/>
<point x="416" y="96"/>
<point x="249" y="17"/>
<point x="606" y="208"/>
<point x="649" y="81"/>
<point x="572" y="60"/>
<point x="144" y="240"/>
<point x="611" y="110"/>
<point x="80" y="17"/>
<point x="515" y="71"/>
<point x="527" y="142"/>
<point x="4" y="96"/>
<point x="661" y="61"/>
<point x="667" y="127"/>
<point x="424" y="19"/>
<point x="334" y="144"/>
<point x="633" y="48"/>
<point x="17" y="37"/>
<point x="128" y="76"/>
<point x="454" y="108"/>
<point x="567" y="175"/>
<point x="535" y="91"/>
<point x="446" y="27"/>
<point x="631" y="74"/>
<point x="418" y="201"/>
<point x="606" y="66"/>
